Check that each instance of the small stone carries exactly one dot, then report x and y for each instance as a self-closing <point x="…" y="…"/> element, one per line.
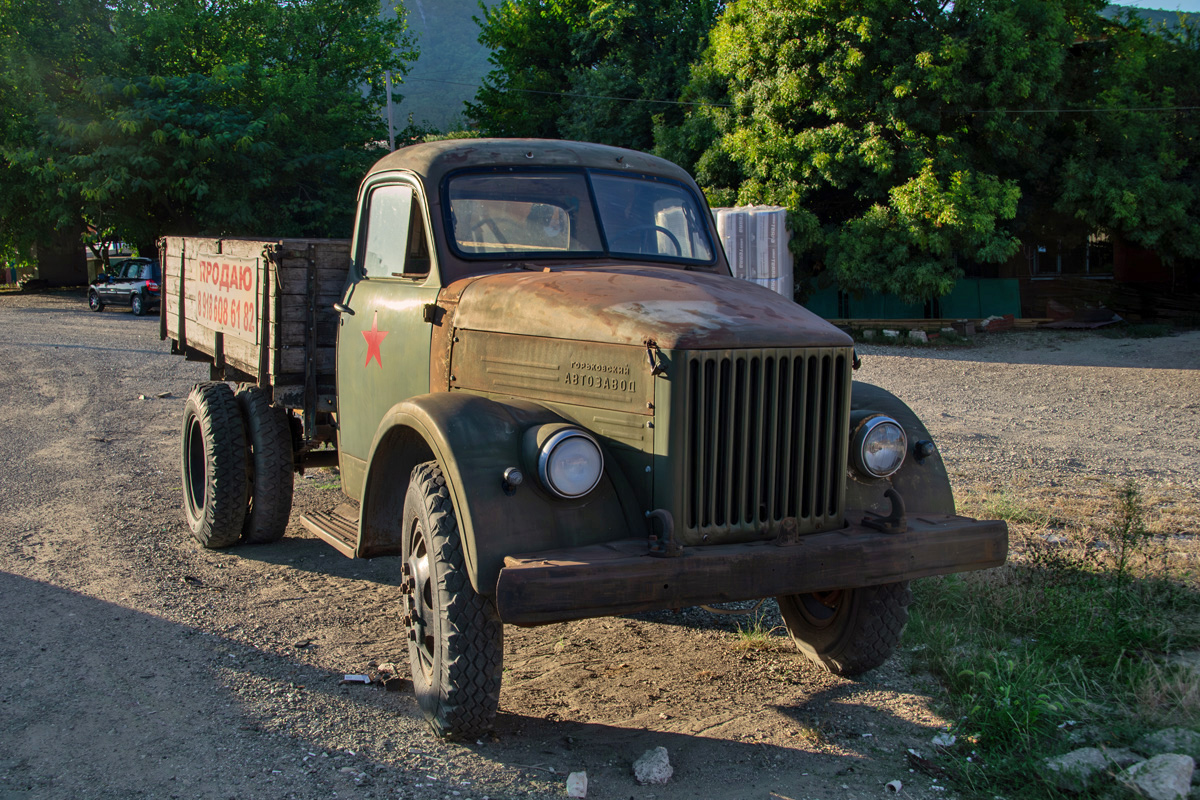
<point x="577" y="784"/>
<point x="944" y="740"/>
<point x="1165" y="777"/>
<point x="1170" y="740"/>
<point x="891" y="334"/>
<point x="918" y="336"/>
<point x="163" y="395"/>
<point x="654" y="767"/>
<point x="1073" y="771"/>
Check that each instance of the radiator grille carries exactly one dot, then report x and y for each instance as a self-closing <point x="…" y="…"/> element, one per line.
<point x="765" y="439"/>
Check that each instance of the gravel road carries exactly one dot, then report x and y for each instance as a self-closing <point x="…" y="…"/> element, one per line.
<point x="136" y="664"/>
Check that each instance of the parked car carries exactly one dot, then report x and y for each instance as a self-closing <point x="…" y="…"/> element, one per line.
<point x="133" y="282"/>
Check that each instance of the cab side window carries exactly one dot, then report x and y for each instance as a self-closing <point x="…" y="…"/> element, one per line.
<point x="395" y="242"/>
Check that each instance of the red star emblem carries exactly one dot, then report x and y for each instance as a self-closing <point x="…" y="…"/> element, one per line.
<point x="374" y="338"/>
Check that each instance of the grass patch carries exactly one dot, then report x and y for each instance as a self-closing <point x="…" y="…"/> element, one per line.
<point x="756" y="635"/>
<point x="1069" y="645"/>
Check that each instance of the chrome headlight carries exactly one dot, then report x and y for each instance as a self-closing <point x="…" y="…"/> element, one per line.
<point x="570" y="462"/>
<point x="879" y="446"/>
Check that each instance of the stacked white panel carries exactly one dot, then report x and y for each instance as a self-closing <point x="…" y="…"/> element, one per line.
<point x="756" y="243"/>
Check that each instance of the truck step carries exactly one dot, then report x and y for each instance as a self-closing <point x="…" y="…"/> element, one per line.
<point x="338" y="527"/>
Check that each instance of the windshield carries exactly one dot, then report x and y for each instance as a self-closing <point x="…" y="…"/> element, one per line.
<point x="554" y="214"/>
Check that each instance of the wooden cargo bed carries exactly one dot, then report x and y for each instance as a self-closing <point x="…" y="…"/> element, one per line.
<point x="258" y="310"/>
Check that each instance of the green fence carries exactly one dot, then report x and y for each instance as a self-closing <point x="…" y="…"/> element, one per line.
<point x="972" y="298"/>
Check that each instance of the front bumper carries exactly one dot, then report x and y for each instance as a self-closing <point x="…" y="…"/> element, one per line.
<point x="621" y="577"/>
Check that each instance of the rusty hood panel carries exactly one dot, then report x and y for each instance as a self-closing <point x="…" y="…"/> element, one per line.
<point x="628" y="305"/>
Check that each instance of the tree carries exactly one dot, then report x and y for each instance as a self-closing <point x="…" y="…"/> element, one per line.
<point x="46" y="49"/>
<point x="243" y="117"/>
<point x="863" y="120"/>
<point x="904" y="135"/>
<point x="1133" y="168"/>
<point x="594" y="70"/>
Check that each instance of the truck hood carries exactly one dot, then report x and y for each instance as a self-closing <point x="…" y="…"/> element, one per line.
<point x="678" y="309"/>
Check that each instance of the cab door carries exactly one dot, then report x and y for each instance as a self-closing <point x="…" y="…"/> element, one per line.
<point x="383" y="338"/>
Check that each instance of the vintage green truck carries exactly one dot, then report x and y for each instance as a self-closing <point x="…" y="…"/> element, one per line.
<point x="548" y="400"/>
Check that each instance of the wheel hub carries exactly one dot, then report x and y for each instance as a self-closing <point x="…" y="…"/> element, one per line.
<point x="820" y="608"/>
<point x="418" y="588"/>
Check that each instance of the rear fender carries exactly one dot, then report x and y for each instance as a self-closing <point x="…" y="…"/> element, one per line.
<point x="475" y="439"/>
<point x="925" y="487"/>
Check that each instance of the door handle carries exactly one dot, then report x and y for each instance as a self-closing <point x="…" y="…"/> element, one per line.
<point x="342" y="308"/>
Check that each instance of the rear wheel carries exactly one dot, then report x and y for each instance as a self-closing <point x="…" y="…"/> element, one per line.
<point x="94" y="301"/>
<point x="848" y="631"/>
<point x="137" y="304"/>
<point x="455" y="638"/>
<point x="214" y="465"/>
<point x="268" y="466"/>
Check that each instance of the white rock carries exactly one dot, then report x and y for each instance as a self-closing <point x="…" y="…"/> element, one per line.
<point x="1171" y="740"/>
<point x="918" y="336"/>
<point x="1073" y="771"/>
<point x="654" y="767"/>
<point x="891" y="334"/>
<point x="944" y="740"/>
<point x="1121" y="758"/>
<point x="1165" y="777"/>
<point x="577" y="784"/>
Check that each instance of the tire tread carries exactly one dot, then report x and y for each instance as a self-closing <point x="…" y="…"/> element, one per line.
<point x="270" y="477"/>
<point x="472" y="661"/>
<point x="220" y="522"/>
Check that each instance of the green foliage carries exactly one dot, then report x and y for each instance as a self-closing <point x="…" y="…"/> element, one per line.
<point x="905" y="135"/>
<point x="1134" y="169"/>
<point x="238" y="117"/>
<point x="588" y="69"/>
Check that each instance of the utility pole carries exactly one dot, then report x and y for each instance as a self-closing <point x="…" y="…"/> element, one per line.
<point x="387" y="82"/>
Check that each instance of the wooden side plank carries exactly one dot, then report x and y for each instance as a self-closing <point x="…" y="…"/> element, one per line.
<point x="281" y="315"/>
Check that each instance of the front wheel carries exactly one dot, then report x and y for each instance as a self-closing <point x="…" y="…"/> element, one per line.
<point x="455" y="638"/>
<point x="94" y="301"/>
<point x="214" y="465"/>
<point x="848" y="631"/>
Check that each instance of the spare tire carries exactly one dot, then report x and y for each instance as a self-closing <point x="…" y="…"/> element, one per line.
<point x="214" y="465"/>
<point x="269" y="466"/>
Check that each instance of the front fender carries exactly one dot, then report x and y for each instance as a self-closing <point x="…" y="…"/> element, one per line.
<point x="475" y="439"/>
<point x="924" y="487"/>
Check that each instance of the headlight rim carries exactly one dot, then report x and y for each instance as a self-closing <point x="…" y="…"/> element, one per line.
<point x="861" y="434"/>
<point x="546" y="450"/>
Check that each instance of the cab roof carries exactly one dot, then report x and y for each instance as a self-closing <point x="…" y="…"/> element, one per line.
<point x="431" y="161"/>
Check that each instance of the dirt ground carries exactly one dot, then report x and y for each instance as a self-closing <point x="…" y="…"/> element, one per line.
<point x="135" y="664"/>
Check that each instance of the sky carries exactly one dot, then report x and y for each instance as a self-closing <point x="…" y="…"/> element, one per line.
<point x="1169" y="5"/>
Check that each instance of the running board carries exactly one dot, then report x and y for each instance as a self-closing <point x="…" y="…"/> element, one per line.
<point x="339" y="527"/>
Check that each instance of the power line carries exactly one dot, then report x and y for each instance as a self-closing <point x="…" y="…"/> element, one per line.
<point x="574" y="94"/>
<point x="583" y="96"/>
